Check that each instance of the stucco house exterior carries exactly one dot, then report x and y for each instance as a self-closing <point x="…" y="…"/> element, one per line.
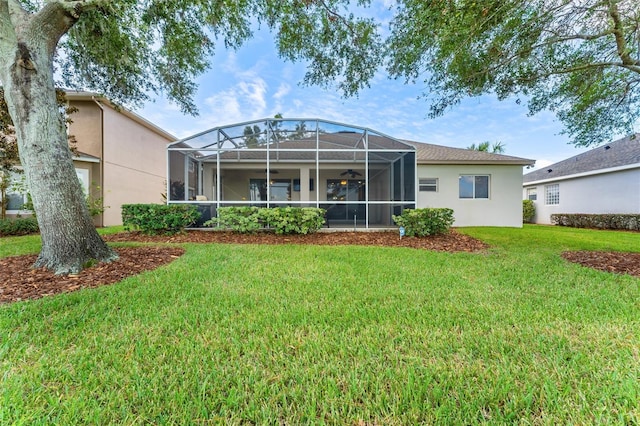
<point x="360" y="176"/>
<point x="495" y="199"/>
<point x="605" y="179"/>
<point x="122" y="157"/>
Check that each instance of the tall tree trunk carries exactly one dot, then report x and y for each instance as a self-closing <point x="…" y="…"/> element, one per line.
<point x="69" y="237"/>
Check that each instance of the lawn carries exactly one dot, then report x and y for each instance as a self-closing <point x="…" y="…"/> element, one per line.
<point x="337" y="335"/>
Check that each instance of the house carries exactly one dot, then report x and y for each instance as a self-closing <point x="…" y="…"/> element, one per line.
<point x="121" y="156"/>
<point x="360" y="176"/>
<point x="605" y="179"/>
<point x="482" y="188"/>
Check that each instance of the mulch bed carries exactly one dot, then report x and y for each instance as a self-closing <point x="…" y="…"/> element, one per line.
<point x="18" y="281"/>
<point x="619" y="263"/>
<point x="451" y="242"/>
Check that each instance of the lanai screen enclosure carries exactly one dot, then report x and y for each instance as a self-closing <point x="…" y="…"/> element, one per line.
<point x="361" y="177"/>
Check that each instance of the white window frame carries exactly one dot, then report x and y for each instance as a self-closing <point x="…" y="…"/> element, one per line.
<point x="475" y="197"/>
<point x="428" y="184"/>
<point x="83" y="177"/>
<point x="13" y="178"/>
<point x="552" y="194"/>
<point x="532" y="193"/>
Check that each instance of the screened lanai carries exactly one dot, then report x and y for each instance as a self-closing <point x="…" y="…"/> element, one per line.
<point x="361" y="177"/>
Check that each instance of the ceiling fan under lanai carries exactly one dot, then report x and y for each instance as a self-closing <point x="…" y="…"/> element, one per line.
<point x="351" y="173"/>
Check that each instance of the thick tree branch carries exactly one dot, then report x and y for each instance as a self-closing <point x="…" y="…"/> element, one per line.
<point x="7" y="35"/>
<point x="618" y="31"/>
<point x="16" y="11"/>
<point x="57" y="17"/>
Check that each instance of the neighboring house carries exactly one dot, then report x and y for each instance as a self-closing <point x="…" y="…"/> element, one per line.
<point x="603" y="180"/>
<point x="361" y="177"/>
<point x="122" y="157"/>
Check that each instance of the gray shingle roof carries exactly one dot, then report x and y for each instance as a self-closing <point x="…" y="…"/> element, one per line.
<point x="623" y="152"/>
<point x="437" y="154"/>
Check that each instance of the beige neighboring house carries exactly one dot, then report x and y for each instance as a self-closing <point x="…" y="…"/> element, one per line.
<point x="122" y="157"/>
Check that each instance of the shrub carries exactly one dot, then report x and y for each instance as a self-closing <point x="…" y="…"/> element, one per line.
<point x="293" y="220"/>
<point x="598" y="221"/>
<point x="283" y="220"/>
<point x="422" y="222"/>
<point x="156" y="219"/>
<point x="528" y="211"/>
<point x="19" y="226"/>
<point x="238" y="219"/>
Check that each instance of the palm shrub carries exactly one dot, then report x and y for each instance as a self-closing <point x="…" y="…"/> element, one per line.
<point x="423" y="222"/>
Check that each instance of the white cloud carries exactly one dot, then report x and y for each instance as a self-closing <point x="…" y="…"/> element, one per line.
<point x="282" y="91"/>
<point x="246" y="100"/>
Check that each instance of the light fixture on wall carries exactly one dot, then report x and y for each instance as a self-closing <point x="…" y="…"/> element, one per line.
<point x="351" y="173"/>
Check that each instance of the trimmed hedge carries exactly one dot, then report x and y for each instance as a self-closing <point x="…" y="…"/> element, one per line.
<point x="597" y="221"/>
<point x="294" y="220"/>
<point x="153" y="219"/>
<point x="19" y="226"/>
<point x="423" y="222"/>
<point x="245" y="220"/>
<point x="282" y="220"/>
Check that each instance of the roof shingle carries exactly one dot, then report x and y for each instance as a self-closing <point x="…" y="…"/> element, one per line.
<point x="437" y="154"/>
<point x="623" y="152"/>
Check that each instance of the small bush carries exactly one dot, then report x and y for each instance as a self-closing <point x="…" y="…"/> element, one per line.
<point x="293" y="220"/>
<point x="282" y="220"/>
<point x="19" y="226"/>
<point x="245" y="220"/>
<point x="153" y="219"/>
<point x="423" y="222"/>
<point x="528" y="211"/>
<point x="597" y="221"/>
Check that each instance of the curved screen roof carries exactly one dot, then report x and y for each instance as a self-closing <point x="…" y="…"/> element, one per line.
<point x="288" y="134"/>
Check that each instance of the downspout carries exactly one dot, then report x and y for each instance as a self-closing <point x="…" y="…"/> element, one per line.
<point x="93" y="98"/>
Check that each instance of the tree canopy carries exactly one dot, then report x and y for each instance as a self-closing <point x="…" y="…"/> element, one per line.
<point x="131" y="50"/>
<point x="579" y="59"/>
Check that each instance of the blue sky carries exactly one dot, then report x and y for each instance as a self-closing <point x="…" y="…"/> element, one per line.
<point x="253" y="83"/>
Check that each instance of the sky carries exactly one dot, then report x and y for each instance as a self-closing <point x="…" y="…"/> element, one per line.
<point x="254" y="83"/>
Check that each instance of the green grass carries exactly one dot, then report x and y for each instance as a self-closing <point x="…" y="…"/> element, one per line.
<point x="336" y="335"/>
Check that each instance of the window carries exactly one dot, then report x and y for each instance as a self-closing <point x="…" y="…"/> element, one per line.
<point x="280" y="189"/>
<point x="83" y="177"/>
<point x="532" y="194"/>
<point x="428" y="185"/>
<point x="552" y="194"/>
<point x="17" y="192"/>
<point x="345" y="190"/>
<point x="474" y="186"/>
<point x="15" y="201"/>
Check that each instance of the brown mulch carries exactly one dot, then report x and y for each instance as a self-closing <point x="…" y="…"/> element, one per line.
<point x="616" y="262"/>
<point x="451" y="242"/>
<point x="19" y="282"/>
